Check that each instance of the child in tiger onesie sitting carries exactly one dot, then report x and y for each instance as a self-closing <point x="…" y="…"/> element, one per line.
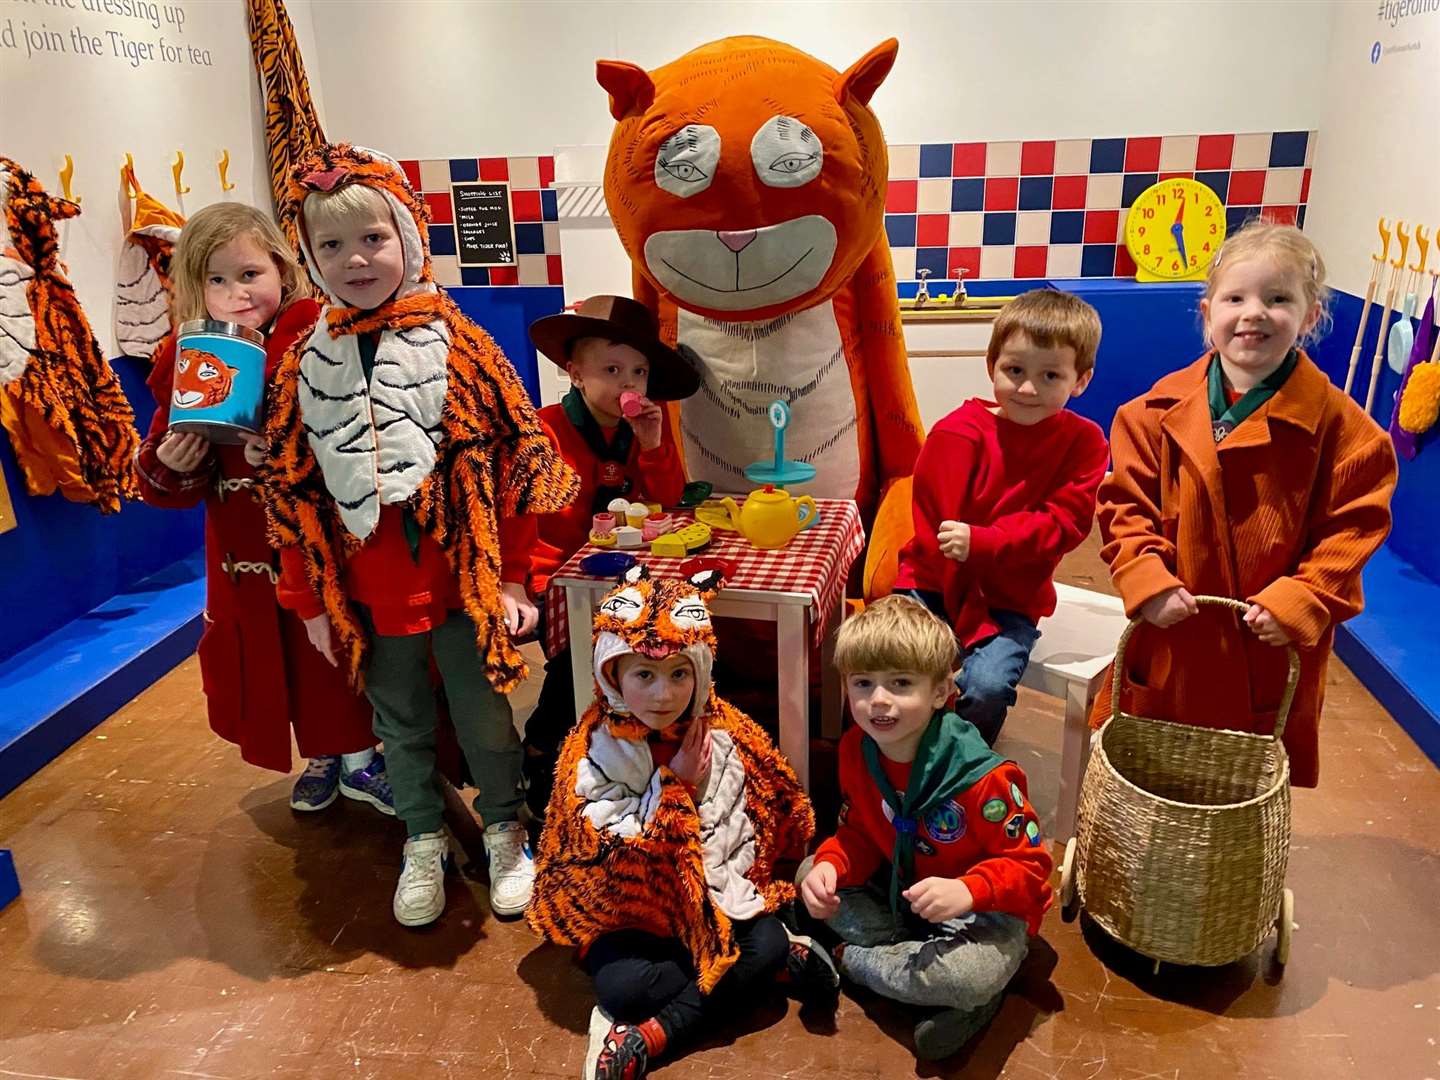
<point x="657" y="859"/>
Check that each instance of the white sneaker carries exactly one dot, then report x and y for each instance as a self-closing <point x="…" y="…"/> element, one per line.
<point x="599" y="1029"/>
<point x="512" y="873"/>
<point x="420" y="895"/>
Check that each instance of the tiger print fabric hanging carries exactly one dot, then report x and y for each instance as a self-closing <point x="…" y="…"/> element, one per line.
<point x="69" y="422"/>
<point x="443" y="425"/>
<point x="142" y="286"/>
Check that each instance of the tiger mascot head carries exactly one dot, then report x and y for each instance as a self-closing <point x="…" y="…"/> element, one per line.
<point x="202" y="379"/>
<point x="747" y="179"/>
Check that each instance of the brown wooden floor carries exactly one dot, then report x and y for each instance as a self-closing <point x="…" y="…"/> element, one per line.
<point x="179" y="920"/>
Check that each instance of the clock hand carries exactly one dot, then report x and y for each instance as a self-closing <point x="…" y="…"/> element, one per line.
<point x="1180" y="214"/>
<point x="1178" y="231"/>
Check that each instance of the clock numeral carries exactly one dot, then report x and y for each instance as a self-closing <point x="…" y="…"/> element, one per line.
<point x="1160" y="199"/>
<point x="1213" y="230"/>
<point x="1194" y="260"/>
<point x="1140" y="231"/>
<point x="1175" y="265"/>
<point x="1206" y="247"/>
<point x="1209" y="211"/>
<point x="1146" y="251"/>
<point x="1147" y="212"/>
<point x="1179" y="192"/>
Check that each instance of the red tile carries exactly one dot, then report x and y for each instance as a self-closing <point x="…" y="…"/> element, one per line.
<point x="504" y="275"/>
<point x="1037" y="159"/>
<point x="968" y="159"/>
<point x="966" y="258"/>
<point x="1177" y="175"/>
<point x="552" y="264"/>
<point x="900" y="196"/>
<point x="525" y="206"/>
<point x="932" y="230"/>
<point x="411" y="169"/>
<point x="1002" y="192"/>
<point x="1214" y="152"/>
<point x="440" y="211"/>
<point x="494" y="168"/>
<point x="1069" y="193"/>
<point x="1030" y="261"/>
<point x="1305" y="188"/>
<point x="1101" y="226"/>
<point x="1280" y="215"/>
<point x="1124" y="265"/>
<point x="1247" y="188"/>
<point x="547" y="171"/>
<point x="1142" y="155"/>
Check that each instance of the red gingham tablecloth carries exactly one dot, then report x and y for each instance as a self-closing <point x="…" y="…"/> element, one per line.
<point x="817" y="562"/>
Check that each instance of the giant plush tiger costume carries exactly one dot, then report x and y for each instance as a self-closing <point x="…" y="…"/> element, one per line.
<point x="69" y="422"/>
<point x="625" y="846"/>
<point x="444" y="425"/>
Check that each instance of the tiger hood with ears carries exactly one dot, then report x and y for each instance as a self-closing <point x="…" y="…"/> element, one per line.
<point x="626" y="845"/>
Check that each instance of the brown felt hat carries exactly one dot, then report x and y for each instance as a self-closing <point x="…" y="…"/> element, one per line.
<point x="627" y="322"/>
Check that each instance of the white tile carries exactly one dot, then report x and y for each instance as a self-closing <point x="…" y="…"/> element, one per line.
<point x="552" y="238"/>
<point x="997" y="262"/>
<point x="1310" y="148"/>
<point x="1252" y="151"/>
<point x="1072" y="157"/>
<point x="1282" y="186"/>
<point x="1178" y="153"/>
<point x="1002" y="159"/>
<point x="904" y="162"/>
<point x="524" y="173"/>
<point x="435" y="175"/>
<point x="967" y="230"/>
<point x="933" y="196"/>
<point x="533" y="270"/>
<point x="446" y="269"/>
<point x="904" y="260"/>
<point x="1103" y="191"/>
<point x="1064" y="260"/>
<point x="1032" y="227"/>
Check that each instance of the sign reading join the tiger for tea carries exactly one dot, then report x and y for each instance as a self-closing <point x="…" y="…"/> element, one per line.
<point x="484" y="234"/>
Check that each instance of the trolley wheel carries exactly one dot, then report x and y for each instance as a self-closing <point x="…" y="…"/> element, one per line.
<point x="1069" y="892"/>
<point x="1285" y="927"/>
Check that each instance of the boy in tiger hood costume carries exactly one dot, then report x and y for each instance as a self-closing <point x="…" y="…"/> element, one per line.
<point x="669" y="811"/>
<point x="405" y="459"/>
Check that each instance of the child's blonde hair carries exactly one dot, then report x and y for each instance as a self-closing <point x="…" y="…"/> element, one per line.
<point x="332" y="209"/>
<point x="1292" y="250"/>
<point x="214" y="227"/>
<point x="1050" y="319"/>
<point x="896" y="633"/>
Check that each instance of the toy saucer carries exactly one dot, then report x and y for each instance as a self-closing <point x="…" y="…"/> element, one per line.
<point x="607" y="564"/>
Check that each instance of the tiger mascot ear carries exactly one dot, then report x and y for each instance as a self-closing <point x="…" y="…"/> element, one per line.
<point x="709" y="582"/>
<point x="636" y="574"/>
<point x="629" y="86"/>
<point x="864" y="77"/>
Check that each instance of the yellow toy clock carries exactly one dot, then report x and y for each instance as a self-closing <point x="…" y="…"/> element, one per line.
<point x="1174" y="230"/>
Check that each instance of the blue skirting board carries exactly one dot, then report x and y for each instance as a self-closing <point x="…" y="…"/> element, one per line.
<point x="1391" y="648"/>
<point x="58" y="689"/>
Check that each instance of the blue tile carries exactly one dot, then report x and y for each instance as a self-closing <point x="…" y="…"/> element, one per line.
<point x="1107" y="155"/>
<point x="442" y="239"/>
<point x="1218" y="182"/>
<point x="1000" y="228"/>
<point x="1134" y="184"/>
<point x="474" y="275"/>
<point x="462" y="168"/>
<point x="548" y="209"/>
<point x="529" y="238"/>
<point x="934" y="260"/>
<point x="1300" y="217"/>
<point x="1097" y="260"/>
<point x="906" y="290"/>
<point x="1237" y="216"/>
<point x="1287" y="149"/>
<point x="967" y="195"/>
<point x="1067" y="226"/>
<point x="936" y="159"/>
<point x="1035" y="192"/>
<point x="900" y="228"/>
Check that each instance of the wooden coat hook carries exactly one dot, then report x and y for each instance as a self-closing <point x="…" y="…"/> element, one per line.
<point x="176" y="170"/>
<point x="65" y="176"/>
<point x="224" y="167"/>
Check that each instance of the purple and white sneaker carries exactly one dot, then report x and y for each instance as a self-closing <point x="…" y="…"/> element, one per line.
<point x="318" y="785"/>
<point x="370" y="785"/>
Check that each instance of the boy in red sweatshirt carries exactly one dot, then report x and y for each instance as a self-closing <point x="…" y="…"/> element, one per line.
<point x="1003" y="489"/>
<point x="611" y="431"/>
<point x="951" y="821"/>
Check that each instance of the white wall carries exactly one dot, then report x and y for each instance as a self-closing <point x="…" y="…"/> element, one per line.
<point x="1379" y="148"/>
<point x="96" y="108"/>
<point x="518" y="77"/>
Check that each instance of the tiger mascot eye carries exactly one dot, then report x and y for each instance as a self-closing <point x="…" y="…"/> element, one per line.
<point x="747" y="183"/>
<point x="202" y="379"/>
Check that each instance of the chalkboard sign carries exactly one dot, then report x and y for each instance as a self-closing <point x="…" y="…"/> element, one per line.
<point x="484" y="235"/>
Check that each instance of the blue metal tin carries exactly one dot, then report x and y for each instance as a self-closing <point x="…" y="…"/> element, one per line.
<point x="219" y="385"/>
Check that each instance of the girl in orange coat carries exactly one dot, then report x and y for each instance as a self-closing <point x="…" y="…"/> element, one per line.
<point x="1245" y="475"/>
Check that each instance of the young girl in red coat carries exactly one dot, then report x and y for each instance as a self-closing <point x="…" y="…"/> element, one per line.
<point x="260" y="674"/>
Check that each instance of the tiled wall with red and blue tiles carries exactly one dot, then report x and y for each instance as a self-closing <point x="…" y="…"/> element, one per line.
<point x="532" y="210"/>
<point x="1056" y="208"/>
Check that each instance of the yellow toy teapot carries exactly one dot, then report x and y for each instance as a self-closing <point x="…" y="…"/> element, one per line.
<point x="770" y="518"/>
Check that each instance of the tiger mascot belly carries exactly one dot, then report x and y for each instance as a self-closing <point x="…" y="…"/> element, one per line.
<point x="747" y="183"/>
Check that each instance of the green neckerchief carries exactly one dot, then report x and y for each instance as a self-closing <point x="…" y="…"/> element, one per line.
<point x="1225" y="418"/>
<point x="369" y="345"/>
<point x="617" y="449"/>
<point x="951" y="757"/>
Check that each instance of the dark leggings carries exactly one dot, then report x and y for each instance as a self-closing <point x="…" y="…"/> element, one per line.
<point x="638" y="975"/>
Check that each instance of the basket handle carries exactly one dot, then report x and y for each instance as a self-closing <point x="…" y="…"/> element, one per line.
<point x="1292" y="680"/>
